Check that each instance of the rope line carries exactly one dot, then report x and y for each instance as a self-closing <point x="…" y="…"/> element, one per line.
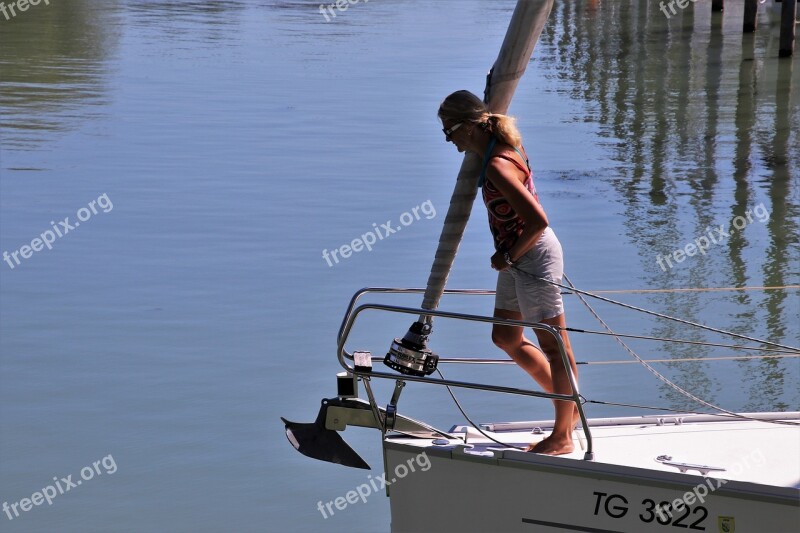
<point x="473" y="424"/>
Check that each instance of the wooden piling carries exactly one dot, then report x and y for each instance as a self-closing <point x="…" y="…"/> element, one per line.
<point x="750" y="16"/>
<point x="788" y="15"/>
<point x="717" y="5"/>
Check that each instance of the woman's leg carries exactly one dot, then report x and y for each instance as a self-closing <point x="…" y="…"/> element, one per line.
<point x="530" y="358"/>
<point x="560" y="441"/>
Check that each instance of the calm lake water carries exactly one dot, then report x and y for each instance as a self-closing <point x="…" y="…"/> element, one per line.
<point x="212" y="150"/>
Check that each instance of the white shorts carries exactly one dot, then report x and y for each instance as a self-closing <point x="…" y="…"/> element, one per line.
<point x="518" y="290"/>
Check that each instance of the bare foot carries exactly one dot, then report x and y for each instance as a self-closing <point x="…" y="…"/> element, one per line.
<point x="552" y="446"/>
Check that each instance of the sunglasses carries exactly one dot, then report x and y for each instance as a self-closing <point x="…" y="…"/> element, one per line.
<point x="449" y="132"/>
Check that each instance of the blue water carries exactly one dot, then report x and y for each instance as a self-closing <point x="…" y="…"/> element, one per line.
<point x="236" y="141"/>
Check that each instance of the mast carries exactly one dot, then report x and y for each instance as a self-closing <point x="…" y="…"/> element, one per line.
<point x="411" y="355"/>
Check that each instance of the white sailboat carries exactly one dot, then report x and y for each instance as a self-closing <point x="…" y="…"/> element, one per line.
<point x="700" y="472"/>
<point x="697" y="472"/>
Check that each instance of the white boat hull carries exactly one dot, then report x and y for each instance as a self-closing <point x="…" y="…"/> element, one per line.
<point x="504" y="490"/>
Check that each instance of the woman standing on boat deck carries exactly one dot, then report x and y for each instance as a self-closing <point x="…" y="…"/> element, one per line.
<point x="525" y="247"/>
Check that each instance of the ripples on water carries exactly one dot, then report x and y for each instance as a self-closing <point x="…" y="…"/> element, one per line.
<point x="238" y="139"/>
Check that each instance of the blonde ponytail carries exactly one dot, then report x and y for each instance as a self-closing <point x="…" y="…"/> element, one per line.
<point x="505" y="129"/>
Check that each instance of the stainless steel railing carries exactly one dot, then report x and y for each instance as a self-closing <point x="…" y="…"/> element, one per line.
<point x="353" y="312"/>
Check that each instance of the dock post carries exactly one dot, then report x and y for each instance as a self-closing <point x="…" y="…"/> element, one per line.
<point x="750" y="16"/>
<point x="717" y="5"/>
<point x="788" y="14"/>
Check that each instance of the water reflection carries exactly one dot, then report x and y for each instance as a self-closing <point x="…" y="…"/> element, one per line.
<point x="698" y="118"/>
<point x="53" y="68"/>
<point x="167" y="20"/>
<point x="783" y="234"/>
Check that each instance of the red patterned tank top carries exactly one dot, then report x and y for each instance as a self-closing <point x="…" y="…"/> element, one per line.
<point x="504" y="223"/>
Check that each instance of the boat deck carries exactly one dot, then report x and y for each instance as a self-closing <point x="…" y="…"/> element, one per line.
<point x="732" y="449"/>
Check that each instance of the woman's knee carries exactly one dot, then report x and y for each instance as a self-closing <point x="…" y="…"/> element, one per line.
<point x="506" y="338"/>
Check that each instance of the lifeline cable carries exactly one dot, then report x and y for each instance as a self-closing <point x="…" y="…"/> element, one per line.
<point x="642" y="361"/>
<point x="663" y="378"/>
<point x="486" y="361"/>
<point x="698" y="289"/>
<point x="679" y="411"/>
<point x="683" y="341"/>
<point x="654" y="313"/>
<point x="691" y="359"/>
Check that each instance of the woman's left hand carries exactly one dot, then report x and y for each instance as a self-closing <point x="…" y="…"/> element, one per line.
<point x="499" y="262"/>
